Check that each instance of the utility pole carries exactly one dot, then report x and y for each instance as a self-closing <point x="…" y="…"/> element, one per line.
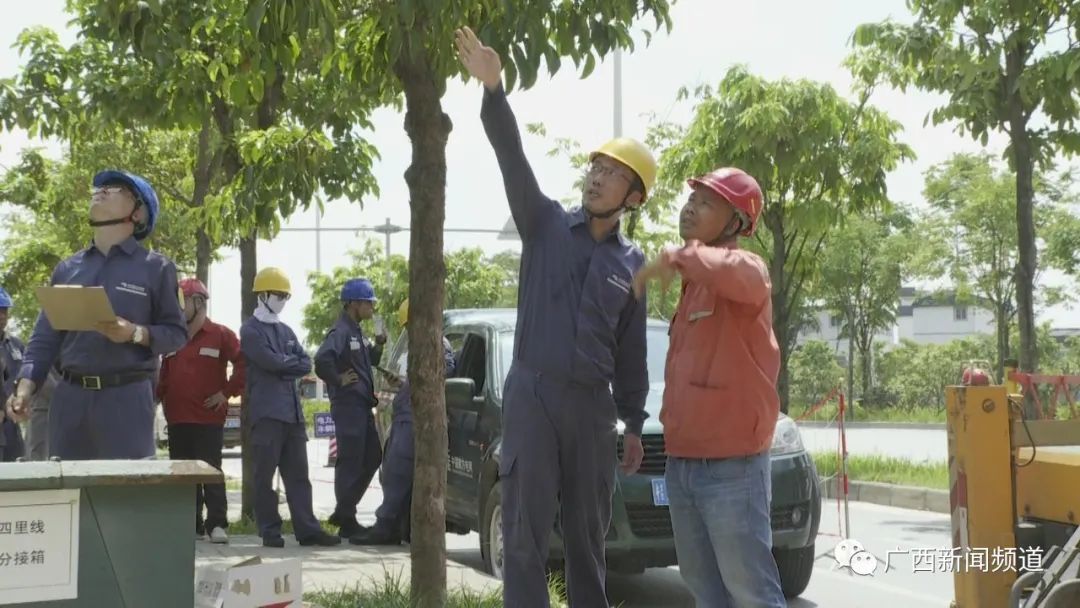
<point x="617" y="101"/>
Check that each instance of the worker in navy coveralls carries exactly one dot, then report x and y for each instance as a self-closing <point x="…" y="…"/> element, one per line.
<point x="579" y="353"/>
<point x="398" y="462"/>
<point x="344" y="362"/>
<point x="103" y="407"/>
<point x="274" y="362"/>
<point x="12" y="446"/>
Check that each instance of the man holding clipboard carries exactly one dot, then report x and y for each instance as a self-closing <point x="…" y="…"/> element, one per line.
<point x="103" y="408"/>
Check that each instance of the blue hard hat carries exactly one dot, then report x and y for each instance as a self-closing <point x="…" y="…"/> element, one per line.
<point x="142" y="189"/>
<point x="358" y="289"/>
<point x="5" y="299"/>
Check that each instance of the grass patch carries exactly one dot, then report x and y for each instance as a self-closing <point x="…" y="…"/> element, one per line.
<point x="886" y="470"/>
<point x="393" y="592"/>
<point x="311" y="407"/>
<point x="246" y="526"/>
<point x="830" y="412"/>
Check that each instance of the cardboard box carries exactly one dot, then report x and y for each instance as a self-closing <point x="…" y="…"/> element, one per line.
<point x="250" y="584"/>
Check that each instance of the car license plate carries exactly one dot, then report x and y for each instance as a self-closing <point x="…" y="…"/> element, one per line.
<point x="659" y="492"/>
<point x="232" y="423"/>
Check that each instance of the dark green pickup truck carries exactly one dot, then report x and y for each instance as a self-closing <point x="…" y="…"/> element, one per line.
<point x="640" y="535"/>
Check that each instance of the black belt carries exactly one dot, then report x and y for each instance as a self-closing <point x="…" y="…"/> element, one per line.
<point x="96" y="383"/>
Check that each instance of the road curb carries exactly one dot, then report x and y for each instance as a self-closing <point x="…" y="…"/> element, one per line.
<point x="913" y="426"/>
<point x="891" y="495"/>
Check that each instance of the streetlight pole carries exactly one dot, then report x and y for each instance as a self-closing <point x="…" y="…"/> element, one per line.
<point x="617" y="93"/>
<point x="388" y="229"/>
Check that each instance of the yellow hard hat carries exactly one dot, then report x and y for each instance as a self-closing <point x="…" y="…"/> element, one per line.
<point x="403" y="313"/>
<point x="633" y="154"/>
<point x="272" y="279"/>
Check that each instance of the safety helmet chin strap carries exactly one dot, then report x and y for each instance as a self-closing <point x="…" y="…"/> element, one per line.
<point x="129" y="219"/>
<point x="605" y="215"/>
<point x="734" y="225"/>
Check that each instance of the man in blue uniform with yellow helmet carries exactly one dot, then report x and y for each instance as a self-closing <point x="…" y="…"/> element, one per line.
<point x="398" y="461"/>
<point x="344" y="362"/>
<point x="274" y="363"/>
<point x="579" y="353"/>
<point x="103" y="407"/>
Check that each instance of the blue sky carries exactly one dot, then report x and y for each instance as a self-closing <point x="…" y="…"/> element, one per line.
<point x="775" y="38"/>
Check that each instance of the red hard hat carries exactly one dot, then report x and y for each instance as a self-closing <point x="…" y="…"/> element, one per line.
<point x="738" y="188"/>
<point x="191" y="287"/>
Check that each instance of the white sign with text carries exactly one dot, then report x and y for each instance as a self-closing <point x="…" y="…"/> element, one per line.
<point x="39" y="546"/>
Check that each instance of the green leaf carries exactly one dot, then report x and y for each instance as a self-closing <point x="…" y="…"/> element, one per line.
<point x="257" y="87"/>
<point x="255" y="15"/>
<point x="590" y="64"/>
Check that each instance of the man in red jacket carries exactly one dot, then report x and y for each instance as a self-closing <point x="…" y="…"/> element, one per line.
<point x="194" y="389"/>
<point x="720" y="400"/>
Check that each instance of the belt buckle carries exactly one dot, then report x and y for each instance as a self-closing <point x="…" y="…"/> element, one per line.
<point x="91" y="383"/>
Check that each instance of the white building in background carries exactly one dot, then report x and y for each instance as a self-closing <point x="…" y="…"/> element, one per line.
<point x="920" y="318"/>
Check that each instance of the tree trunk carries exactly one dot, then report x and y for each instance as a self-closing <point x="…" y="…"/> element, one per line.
<point x="203" y="251"/>
<point x="428" y="128"/>
<point x="1001" y="321"/>
<point x="248" y="263"/>
<point x="781" y="309"/>
<point x="1015" y="58"/>
<point x="866" y="355"/>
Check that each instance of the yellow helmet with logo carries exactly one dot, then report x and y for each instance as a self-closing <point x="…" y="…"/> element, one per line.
<point x="272" y="279"/>
<point x="633" y="154"/>
<point x="403" y="313"/>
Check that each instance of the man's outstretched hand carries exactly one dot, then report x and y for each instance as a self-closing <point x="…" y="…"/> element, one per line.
<point x="481" y="61"/>
<point x="658" y="269"/>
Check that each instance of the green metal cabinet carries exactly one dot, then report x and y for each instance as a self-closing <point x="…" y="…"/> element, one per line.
<point x="135" y="528"/>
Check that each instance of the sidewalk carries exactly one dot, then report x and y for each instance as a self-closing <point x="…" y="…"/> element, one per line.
<point x="341" y="567"/>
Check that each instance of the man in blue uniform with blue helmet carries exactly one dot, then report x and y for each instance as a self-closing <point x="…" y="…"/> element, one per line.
<point x="103" y="407"/>
<point x="579" y="353"/>
<point x="12" y="446"/>
<point x="344" y="362"/>
<point x="274" y="363"/>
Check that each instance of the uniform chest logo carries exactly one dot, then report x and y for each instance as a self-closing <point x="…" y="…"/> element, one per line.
<point x="701" y="314"/>
<point x="132" y="288"/>
<point x="354" y="344"/>
<point x="619" y="282"/>
<point x="206" y="351"/>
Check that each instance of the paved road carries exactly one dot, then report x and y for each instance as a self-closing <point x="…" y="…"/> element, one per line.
<point x="918" y="445"/>
<point x="907" y="584"/>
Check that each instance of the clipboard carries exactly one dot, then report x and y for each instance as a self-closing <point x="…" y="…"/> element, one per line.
<point x="75" y="307"/>
<point x="389" y="374"/>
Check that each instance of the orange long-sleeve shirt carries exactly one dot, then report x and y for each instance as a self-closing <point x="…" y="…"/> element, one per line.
<point x="720" y="397"/>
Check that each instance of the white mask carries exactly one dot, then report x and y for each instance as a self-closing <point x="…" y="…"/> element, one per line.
<point x="275" y="303"/>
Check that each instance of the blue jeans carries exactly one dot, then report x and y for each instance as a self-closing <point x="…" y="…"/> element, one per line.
<point x="723" y="531"/>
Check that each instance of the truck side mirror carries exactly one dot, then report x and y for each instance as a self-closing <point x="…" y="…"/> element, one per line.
<point x="460" y="393"/>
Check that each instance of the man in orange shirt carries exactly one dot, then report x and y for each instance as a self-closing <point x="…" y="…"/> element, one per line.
<point x="194" y="389"/>
<point x="720" y="400"/>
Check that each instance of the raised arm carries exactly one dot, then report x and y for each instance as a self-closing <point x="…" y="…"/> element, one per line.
<point x="528" y="205"/>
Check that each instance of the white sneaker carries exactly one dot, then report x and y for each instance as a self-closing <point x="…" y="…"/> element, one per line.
<point x="218" y="535"/>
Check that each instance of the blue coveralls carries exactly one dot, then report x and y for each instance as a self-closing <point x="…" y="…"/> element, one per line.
<point x="397" y="468"/>
<point x="359" y="453"/>
<point x="117" y="420"/>
<point x="12" y="446"/>
<point x="275" y="360"/>
<point x="580" y="334"/>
